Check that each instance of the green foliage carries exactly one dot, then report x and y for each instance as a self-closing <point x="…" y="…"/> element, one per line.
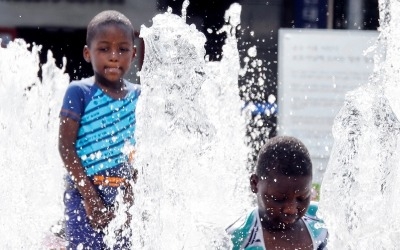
<point x="316" y="191"/>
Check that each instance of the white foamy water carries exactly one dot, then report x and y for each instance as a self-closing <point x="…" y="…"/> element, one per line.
<point x="360" y="190"/>
<point x="190" y="139"/>
<point x="191" y="151"/>
<point x="31" y="170"/>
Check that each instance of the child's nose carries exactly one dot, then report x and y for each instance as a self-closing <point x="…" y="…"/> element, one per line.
<point x="114" y="55"/>
<point x="290" y="207"/>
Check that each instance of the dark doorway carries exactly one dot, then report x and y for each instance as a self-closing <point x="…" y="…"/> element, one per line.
<point x="208" y="16"/>
<point x="63" y="42"/>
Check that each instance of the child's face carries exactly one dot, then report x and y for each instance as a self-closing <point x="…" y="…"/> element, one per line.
<point x="111" y="52"/>
<point x="282" y="200"/>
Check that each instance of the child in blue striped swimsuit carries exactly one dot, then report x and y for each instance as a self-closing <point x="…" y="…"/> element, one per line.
<point x="284" y="217"/>
<point x="96" y="137"/>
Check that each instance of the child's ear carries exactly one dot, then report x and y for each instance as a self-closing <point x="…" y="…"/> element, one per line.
<point x="86" y="53"/>
<point x="253" y="183"/>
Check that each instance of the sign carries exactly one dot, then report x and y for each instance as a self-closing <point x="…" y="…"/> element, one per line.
<point x="316" y="68"/>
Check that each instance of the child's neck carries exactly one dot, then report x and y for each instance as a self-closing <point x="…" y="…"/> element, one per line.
<point x="271" y="227"/>
<point x="114" y="92"/>
<point x="113" y="89"/>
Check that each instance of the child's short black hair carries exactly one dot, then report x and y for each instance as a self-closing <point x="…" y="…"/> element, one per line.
<point x="284" y="155"/>
<point x="105" y="18"/>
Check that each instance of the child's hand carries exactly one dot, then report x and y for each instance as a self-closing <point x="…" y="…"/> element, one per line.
<point x="128" y="191"/>
<point x="135" y="175"/>
<point x="128" y="200"/>
<point x="128" y="194"/>
<point x="99" y="216"/>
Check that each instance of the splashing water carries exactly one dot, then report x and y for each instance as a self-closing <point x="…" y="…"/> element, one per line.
<point x="191" y="152"/>
<point x="191" y="155"/>
<point x="190" y="140"/>
<point x="360" y="191"/>
<point x="31" y="186"/>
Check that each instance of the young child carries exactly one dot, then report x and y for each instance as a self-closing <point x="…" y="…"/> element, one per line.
<point x="284" y="218"/>
<point x="97" y="125"/>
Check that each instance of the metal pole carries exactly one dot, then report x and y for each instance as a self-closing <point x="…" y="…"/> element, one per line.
<point x="330" y="14"/>
<point x="355" y="18"/>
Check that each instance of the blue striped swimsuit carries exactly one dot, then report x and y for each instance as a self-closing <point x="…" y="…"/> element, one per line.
<point x="106" y="132"/>
<point x="106" y="124"/>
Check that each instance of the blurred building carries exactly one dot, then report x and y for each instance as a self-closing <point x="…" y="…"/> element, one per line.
<point x="60" y="25"/>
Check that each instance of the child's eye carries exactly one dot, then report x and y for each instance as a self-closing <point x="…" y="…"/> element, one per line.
<point x="103" y="49"/>
<point x="277" y="199"/>
<point x="124" y="49"/>
<point x="302" y="199"/>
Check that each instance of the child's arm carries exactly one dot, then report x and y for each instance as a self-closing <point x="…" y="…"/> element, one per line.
<point x="96" y="211"/>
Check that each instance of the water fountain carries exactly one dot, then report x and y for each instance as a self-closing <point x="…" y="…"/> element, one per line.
<point x="31" y="186"/>
<point x="359" y="199"/>
<point x="191" y="153"/>
<point x="190" y="133"/>
<point x="190" y="147"/>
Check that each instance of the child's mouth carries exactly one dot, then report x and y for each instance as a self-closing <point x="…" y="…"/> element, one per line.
<point x="114" y="70"/>
<point x="289" y="219"/>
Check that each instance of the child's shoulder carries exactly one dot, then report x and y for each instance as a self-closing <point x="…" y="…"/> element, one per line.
<point x="83" y="87"/>
<point x="311" y="214"/>
<point x="132" y="86"/>
<point x="244" y="221"/>
<point x="312" y="209"/>
<point x="246" y="232"/>
<point x="82" y="83"/>
<point x="315" y="225"/>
